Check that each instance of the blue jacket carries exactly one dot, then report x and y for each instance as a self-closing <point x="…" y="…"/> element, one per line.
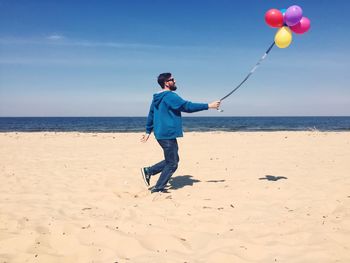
<point x="165" y="114"/>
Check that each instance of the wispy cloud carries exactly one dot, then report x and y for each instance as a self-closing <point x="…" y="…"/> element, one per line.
<point x="93" y="62"/>
<point x="55" y="37"/>
<point x="86" y="43"/>
<point x="60" y="40"/>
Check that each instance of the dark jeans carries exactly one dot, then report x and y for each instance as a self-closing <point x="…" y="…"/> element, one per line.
<point x="169" y="165"/>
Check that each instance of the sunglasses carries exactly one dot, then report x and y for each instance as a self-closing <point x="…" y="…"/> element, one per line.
<point x="172" y="79"/>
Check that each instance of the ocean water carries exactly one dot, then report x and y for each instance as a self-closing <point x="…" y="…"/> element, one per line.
<point x="137" y="124"/>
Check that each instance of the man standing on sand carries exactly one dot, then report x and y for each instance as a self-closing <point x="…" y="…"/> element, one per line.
<point x="165" y="119"/>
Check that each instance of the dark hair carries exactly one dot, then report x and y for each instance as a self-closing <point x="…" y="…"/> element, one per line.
<point x="162" y="78"/>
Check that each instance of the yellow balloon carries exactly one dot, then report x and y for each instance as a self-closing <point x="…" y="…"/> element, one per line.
<point x="283" y="37"/>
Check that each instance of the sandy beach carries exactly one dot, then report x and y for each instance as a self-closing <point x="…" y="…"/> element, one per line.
<point x="236" y="197"/>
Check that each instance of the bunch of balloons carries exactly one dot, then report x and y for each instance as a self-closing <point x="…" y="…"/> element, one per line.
<point x="287" y="20"/>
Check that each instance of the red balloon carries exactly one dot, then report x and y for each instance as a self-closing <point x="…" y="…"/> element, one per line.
<point x="302" y="26"/>
<point x="274" y="18"/>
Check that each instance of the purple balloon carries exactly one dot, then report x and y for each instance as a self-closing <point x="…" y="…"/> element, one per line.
<point x="293" y="15"/>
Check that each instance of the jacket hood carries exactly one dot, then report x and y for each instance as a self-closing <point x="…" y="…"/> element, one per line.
<point x="158" y="97"/>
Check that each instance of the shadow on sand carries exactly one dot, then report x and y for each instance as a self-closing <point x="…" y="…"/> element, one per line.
<point x="272" y="178"/>
<point x="182" y="181"/>
<point x="215" y="181"/>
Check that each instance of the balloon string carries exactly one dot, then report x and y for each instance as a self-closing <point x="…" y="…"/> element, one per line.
<point x="251" y="72"/>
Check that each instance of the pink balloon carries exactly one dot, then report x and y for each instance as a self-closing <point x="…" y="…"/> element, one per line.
<point x="302" y="26"/>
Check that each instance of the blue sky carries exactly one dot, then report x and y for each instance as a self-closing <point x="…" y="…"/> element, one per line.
<point x="102" y="58"/>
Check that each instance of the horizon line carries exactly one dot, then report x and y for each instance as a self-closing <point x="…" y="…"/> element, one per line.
<point x="228" y="116"/>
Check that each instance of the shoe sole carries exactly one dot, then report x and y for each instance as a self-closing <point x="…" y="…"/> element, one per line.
<point x="164" y="191"/>
<point x="144" y="177"/>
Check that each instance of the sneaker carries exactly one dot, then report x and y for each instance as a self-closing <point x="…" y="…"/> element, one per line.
<point x="146" y="177"/>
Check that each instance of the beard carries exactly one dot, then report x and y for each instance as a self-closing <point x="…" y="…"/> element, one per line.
<point x="173" y="88"/>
